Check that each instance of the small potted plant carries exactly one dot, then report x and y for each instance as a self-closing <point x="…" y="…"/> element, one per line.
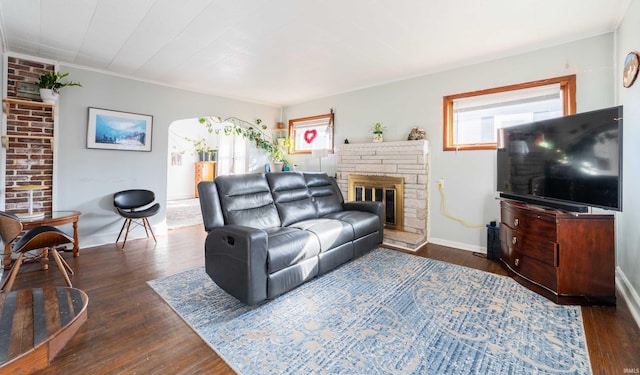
<point x="277" y="153"/>
<point x="377" y="129"/>
<point x="202" y="149"/>
<point x="50" y="85"/>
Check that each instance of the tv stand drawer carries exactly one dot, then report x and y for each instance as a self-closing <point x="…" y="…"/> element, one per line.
<point x="533" y="246"/>
<point x="532" y="269"/>
<point x="537" y="223"/>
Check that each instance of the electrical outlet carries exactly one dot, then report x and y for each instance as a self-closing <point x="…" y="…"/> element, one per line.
<point x="441" y="183"/>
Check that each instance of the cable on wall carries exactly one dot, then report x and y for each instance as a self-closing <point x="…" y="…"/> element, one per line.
<point x="446" y="214"/>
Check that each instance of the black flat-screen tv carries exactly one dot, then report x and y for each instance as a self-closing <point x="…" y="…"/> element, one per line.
<point x="570" y="163"/>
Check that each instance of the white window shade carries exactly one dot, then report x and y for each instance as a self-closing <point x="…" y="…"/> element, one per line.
<point x="312" y="123"/>
<point x="476" y="118"/>
<point x="501" y="98"/>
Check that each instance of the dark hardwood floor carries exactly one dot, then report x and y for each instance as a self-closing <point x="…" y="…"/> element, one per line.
<point x="130" y="330"/>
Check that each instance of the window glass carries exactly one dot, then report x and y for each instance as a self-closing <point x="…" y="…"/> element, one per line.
<point x="472" y="119"/>
<point x="311" y="133"/>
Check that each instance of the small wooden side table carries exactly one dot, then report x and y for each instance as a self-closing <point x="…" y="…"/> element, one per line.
<point x="55" y="219"/>
<point x="36" y="325"/>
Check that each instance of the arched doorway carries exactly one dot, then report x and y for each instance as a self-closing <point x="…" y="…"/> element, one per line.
<point x="233" y="156"/>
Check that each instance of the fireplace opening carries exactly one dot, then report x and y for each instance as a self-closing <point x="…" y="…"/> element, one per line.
<point x="385" y="189"/>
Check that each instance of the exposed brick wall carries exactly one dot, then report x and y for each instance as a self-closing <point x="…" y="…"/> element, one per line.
<point x="29" y="161"/>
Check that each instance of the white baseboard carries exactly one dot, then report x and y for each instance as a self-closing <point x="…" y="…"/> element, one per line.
<point x="110" y="238"/>
<point x="629" y="294"/>
<point x="458" y="245"/>
<point x="180" y="197"/>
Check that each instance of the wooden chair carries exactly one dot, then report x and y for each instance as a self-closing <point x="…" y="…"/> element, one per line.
<point x="43" y="237"/>
<point x="132" y="205"/>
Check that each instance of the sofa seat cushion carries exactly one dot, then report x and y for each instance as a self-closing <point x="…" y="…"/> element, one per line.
<point x="330" y="233"/>
<point x="363" y="222"/>
<point x="289" y="246"/>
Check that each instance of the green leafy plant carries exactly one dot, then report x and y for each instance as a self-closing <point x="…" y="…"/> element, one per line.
<point x="200" y="145"/>
<point x="378" y="128"/>
<point x="53" y="81"/>
<point x="279" y="152"/>
<point x="257" y="134"/>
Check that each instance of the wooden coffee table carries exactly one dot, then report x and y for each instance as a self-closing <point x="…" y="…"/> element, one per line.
<point x="35" y="324"/>
<point x="54" y="219"/>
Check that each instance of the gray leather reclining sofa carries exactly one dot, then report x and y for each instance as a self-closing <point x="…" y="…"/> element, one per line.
<point x="269" y="233"/>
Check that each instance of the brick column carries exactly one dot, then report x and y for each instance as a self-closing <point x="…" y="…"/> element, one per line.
<point x="29" y="160"/>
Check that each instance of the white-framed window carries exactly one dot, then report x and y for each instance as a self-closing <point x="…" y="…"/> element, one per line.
<point x="471" y="119"/>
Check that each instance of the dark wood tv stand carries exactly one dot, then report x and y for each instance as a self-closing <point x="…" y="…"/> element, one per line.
<point x="568" y="258"/>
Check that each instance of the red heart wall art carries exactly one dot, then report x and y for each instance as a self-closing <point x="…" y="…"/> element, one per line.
<point x="310" y="135"/>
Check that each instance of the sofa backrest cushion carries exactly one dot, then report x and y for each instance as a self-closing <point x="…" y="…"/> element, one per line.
<point x="325" y="193"/>
<point x="210" y="205"/>
<point x="246" y="200"/>
<point x="292" y="197"/>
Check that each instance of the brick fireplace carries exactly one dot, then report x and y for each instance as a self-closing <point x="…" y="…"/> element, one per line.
<point x="408" y="160"/>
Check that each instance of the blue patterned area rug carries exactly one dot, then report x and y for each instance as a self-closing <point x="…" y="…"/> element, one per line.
<point x="386" y="313"/>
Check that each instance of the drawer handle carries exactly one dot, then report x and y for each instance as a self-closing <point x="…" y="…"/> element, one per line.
<point x="516" y="222"/>
<point x="514" y="240"/>
<point x="517" y="262"/>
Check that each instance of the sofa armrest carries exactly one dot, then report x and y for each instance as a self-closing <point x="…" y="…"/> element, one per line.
<point x="373" y="207"/>
<point x="376" y="208"/>
<point x="236" y="260"/>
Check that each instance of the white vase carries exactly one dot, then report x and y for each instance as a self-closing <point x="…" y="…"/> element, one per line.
<point x="377" y="138"/>
<point x="276" y="166"/>
<point x="48" y="96"/>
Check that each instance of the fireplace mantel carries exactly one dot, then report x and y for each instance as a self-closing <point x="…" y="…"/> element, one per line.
<point x="407" y="159"/>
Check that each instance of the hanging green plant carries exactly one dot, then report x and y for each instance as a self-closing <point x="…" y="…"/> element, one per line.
<point x="255" y="133"/>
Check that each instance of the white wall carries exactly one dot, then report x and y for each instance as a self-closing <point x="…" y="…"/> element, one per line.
<point x="180" y="178"/>
<point x="87" y="178"/>
<point x="469" y="175"/>
<point x="628" y="235"/>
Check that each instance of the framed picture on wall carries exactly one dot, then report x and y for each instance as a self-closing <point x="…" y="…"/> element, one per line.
<point x="630" y="70"/>
<point x="115" y="130"/>
<point x="27" y="90"/>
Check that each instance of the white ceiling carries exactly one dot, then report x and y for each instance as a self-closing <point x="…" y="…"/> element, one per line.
<point x="287" y="51"/>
